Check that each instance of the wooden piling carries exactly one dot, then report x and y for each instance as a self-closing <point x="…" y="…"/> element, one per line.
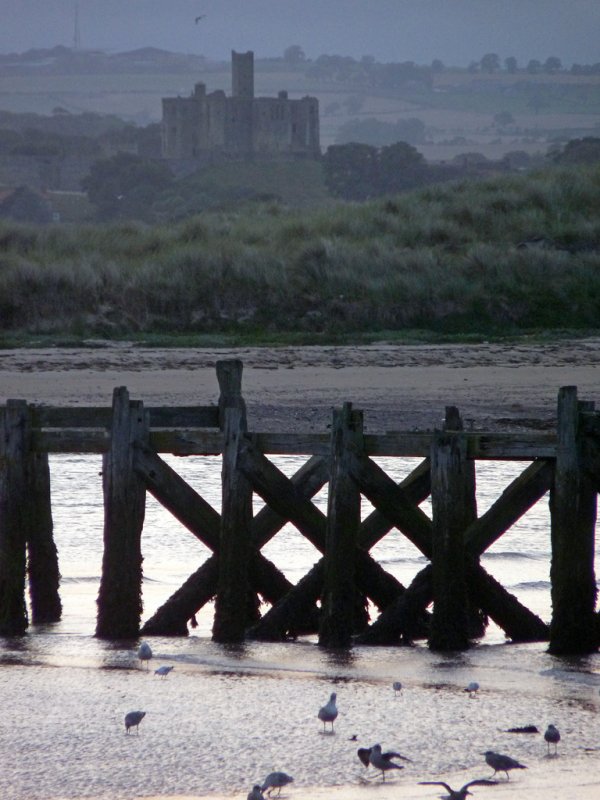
<point x="339" y="601"/>
<point x="232" y="611"/>
<point x="42" y="556"/>
<point x="14" y="507"/>
<point x="453" y="509"/>
<point x="573" y="519"/>
<point x="119" y="597"/>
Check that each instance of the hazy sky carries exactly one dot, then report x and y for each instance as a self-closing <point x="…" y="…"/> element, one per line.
<point x="456" y="31"/>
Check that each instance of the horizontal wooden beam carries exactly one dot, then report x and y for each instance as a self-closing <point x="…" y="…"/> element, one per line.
<point x="201" y="441"/>
<point x="100" y="417"/>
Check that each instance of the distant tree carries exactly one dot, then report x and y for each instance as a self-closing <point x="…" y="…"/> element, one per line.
<point x="536" y="102"/>
<point x="351" y="170"/>
<point x="579" y="151"/>
<point x="25" y="205"/>
<point x="437" y="65"/>
<point x="534" y="67"/>
<point x="490" y="63"/>
<point x="294" y="54"/>
<point x="125" y="186"/>
<point x="510" y="64"/>
<point x="401" y="166"/>
<point x="552" y="65"/>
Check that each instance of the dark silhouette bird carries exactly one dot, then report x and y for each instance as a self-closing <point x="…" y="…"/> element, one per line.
<point x="383" y="761"/>
<point x="472" y="688"/>
<point x="552" y="736"/>
<point x="163" y="671"/>
<point x="459" y="794"/>
<point x="256" y="793"/>
<point x="199" y="17"/>
<point x="328" y="712"/>
<point x="144" y="653"/>
<point x="397" y="687"/>
<point x="501" y="763"/>
<point x="363" y="753"/>
<point x="275" y="780"/>
<point x="133" y="719"/>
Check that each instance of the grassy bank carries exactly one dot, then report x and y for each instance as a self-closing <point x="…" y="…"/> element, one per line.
<point x="445" y="261"/>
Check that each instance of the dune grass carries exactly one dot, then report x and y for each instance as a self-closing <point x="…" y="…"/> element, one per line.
<point x="443" y="260"/>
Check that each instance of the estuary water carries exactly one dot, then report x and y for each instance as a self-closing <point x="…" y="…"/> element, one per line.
<point x="226" y="716"/>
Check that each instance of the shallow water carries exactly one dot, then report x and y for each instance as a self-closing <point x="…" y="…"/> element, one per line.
<point x="226" y="716"/>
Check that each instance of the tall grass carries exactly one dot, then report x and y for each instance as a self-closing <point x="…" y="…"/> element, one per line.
<point x="442" y="259"/>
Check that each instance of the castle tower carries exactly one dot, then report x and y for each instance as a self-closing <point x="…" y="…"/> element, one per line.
<point x="242" y="74"/>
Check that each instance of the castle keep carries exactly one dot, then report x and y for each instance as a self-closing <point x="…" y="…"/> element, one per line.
<point x="208" y="126"/>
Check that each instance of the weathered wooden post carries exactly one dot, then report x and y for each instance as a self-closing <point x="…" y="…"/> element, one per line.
<point x="14" y="507"/>
<point x="453" y="509"/>
<point x="42" y="561"/>
<point x="573" y="519"/>
<point x="339" y="600"/>
<point x="120" y="595"/>
<point x="232" y="604"/>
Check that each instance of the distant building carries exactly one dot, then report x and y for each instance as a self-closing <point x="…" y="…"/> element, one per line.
<point x="212" y="126"/>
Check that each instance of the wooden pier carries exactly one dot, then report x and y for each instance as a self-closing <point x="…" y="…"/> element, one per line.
<point x="447" y="603"/>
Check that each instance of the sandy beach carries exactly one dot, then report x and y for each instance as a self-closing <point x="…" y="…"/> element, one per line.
<point x="495" y="387"/>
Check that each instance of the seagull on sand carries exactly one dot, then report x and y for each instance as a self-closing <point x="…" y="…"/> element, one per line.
<point x="163" y="671"/>
<point x="275" y="780"/>
<point x="397" y="687"/>
<point x="256" y="793"/>
<point x="501" y="763"/>
<point x="459" y="794"/>
<point x="363" y="753"/>
<point x="383" y="761"/>
<point x="472" y="688"/>
<point x="328" y="712"/>
<point x="552" y="736"/>
<point x="144" y="653"/>
<point x="133" y="719"/>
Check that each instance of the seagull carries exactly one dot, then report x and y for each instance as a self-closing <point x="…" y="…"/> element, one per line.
<point x="459" y="794"/>
<point x="363" y="753"/>
<point x="133" y="719"/>
<point x="256" y="793"/>
<point x="144" y="653"/>
<point x="383" y="761"/>
<point x="275" y="780"/>
<point x="328" y="712"/>
<point x="397" y="687"/>
<point x="501" y="763"/>
<point x="552" y="736"/>
<point x="163" y="671"/>
<point x="472" y="688"/>
<point x="199" y="17"/>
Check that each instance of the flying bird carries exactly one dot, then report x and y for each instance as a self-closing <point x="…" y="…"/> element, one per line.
<point x="163" y="671"/>
<point x="552" y="736"/>
<point x="144" y="653"/>
<point x="383" y="761"/>
<point x="501" y="763"/>
<point x="133" y="719"/>
<point x="199" y="17"/>
<point x="275" y="780"/>
<point x="328" y="712"/>
<point x="256" y="793"/>
<point x="459" y="794"/>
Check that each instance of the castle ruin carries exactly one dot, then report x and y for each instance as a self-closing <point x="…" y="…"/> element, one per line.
<point x="208" y="127"/>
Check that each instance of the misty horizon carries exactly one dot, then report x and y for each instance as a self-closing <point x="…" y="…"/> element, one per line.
<point x="455" y="31"/>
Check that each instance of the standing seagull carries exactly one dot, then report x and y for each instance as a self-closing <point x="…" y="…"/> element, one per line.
<point x="501" y="763"/>
<point x="472" y="688"/>
<point x="328" y="712"/>
<point x="144" y="653"/>
<point x="552" y="736"/>
<point x="459" y="794"/>
<point x="383" y="761"/>
<point x="275" y="780"/>
<point x="397" y="687"/>
<point x="133" y="719"/>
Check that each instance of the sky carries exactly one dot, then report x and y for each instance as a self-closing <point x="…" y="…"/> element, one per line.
<point x="455" y="31"/>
